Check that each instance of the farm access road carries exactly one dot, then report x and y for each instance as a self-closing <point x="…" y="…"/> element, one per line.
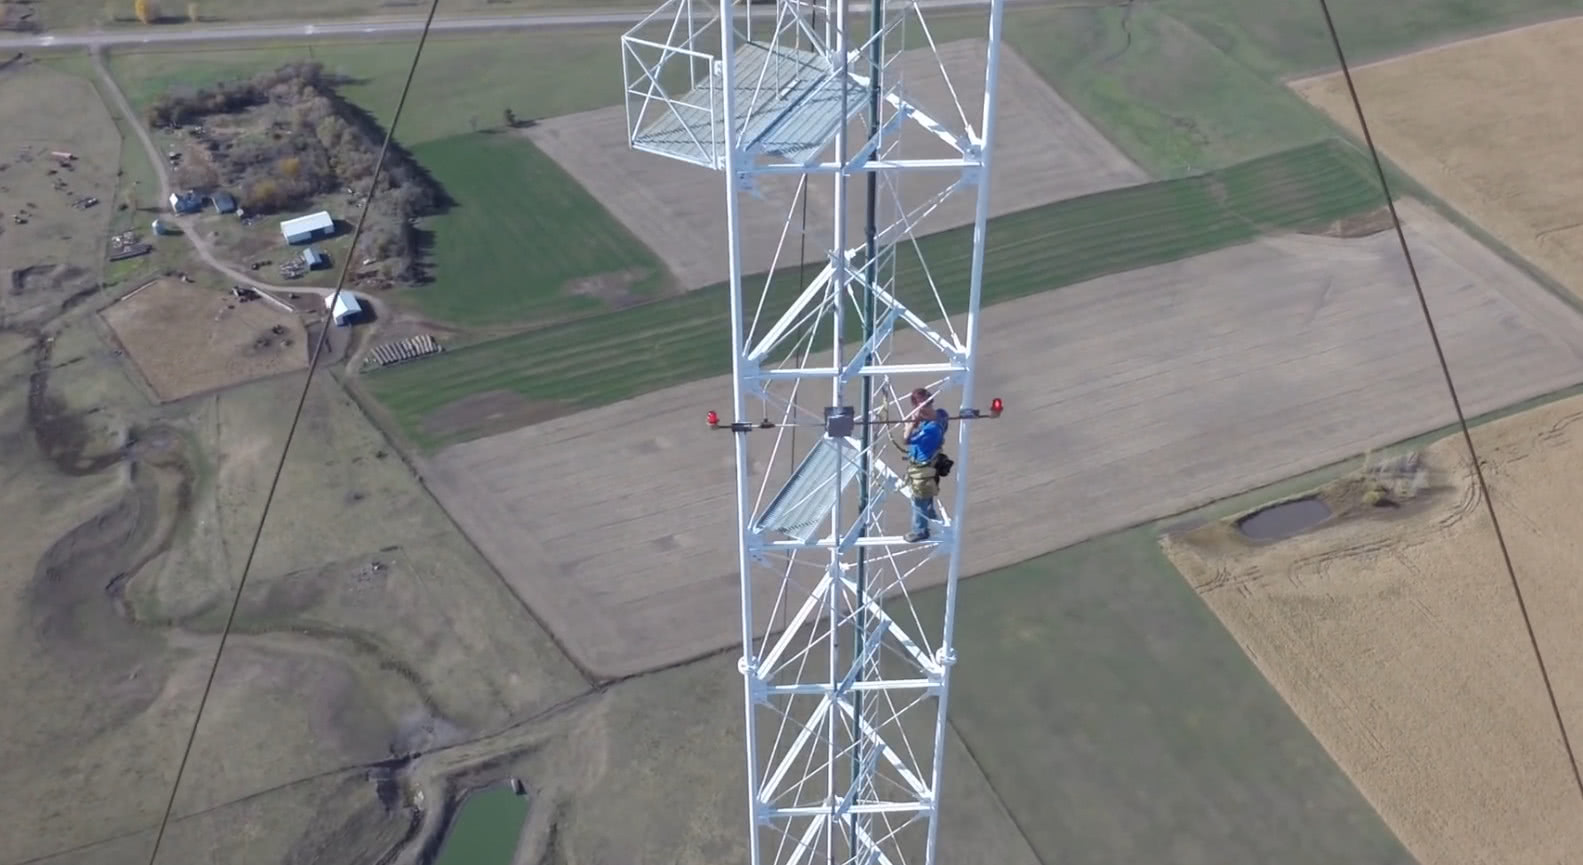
<point x="382" y="26"/>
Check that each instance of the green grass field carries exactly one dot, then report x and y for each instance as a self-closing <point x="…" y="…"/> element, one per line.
<point x="60" y="15"/>
<point x="614" y="356"/>
<point x="1162" y="93"/>
<point x="521" y="231"/>
<point x="462" y="82"/>
<point x="1135" y="729"/>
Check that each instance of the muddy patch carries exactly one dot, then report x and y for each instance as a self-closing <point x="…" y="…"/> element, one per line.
<point x="488" y="413"/>
<point x="1284" y="520"/>
<point x="44" y="277"/>
<point x="1356" y="225"/>
<point x="614" y="289"/>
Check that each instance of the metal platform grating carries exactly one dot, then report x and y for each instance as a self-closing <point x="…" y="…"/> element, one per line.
<point x="788" y="105"/>
<point x="803" y="506"/>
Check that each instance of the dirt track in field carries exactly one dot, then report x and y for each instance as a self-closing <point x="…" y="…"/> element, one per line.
<point x="1491" y="125"/>
<point x="1396" y="637"/>
<point x="1132" y="397"/>
<point x="678" y="209"/>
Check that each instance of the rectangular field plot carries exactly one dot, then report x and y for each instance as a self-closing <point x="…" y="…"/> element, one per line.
<point x="1120" y="722"/>
<point x="504" y="383"/>
<point x="1134" y="397"/>
<point x="1491" y="125"/>
<point x="187" y="340"/>
<point x="1395" y="636"/>
<point x="678" y="210"/>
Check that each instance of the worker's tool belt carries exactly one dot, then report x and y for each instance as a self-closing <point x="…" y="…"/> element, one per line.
<point x="924" y="478"/>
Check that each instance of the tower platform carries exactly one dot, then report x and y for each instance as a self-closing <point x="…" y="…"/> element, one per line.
<point x="787" y="105"/>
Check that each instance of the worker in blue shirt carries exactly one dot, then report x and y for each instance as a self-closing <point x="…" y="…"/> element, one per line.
<point x="925" y="437"/>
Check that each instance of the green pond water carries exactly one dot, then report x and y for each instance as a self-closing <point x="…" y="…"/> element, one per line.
<point x="485" y="829"/>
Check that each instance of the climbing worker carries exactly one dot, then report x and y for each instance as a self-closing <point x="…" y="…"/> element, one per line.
<point x="925" y="437"/>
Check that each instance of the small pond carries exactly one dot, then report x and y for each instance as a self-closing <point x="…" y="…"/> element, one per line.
<point x="486" y="828"/>
<point x="1284" y="520"/>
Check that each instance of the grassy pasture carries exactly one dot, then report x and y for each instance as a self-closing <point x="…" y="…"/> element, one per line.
<point x="522" y="232"/>
<point x="79" y="14"/>
<point x="614" y="356"/>
<point x="1149" y="736"/>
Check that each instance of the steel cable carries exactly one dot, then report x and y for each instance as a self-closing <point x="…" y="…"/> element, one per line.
<point x="1456" y="402"/>
<point x="291" y="431"/>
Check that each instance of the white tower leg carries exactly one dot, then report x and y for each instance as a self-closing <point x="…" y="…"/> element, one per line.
<point x="846" y="684"/>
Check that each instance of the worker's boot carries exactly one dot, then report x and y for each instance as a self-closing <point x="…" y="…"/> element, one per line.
<point x="916" y="537"/>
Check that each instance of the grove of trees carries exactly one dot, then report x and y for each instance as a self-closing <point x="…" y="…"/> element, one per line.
<point x="305" y="141"/>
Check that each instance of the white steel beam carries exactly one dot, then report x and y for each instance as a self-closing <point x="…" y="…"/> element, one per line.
<point x="947" y="650"/>
<point x="739" y="407"/>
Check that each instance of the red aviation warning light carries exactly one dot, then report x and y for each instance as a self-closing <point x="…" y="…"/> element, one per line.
<point x="713" y="419"/>
<point x="995" y="407"/>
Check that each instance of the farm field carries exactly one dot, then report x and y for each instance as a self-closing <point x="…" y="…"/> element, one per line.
<point x="51" y="249"/>
<point x="318" y="674"/>
<point x="1426" y="690"/>
<point x="1282" y="38"/>
<point x="524" y="243"/>
<point x="463" y="83"/>
<point x="187" y="339"/>
<point x="1227" y="773"/>
<point x="677" y="209"/>
<point x="81" y="14"/>
<point x="521" y="378"/>
<point x="1145" y="382"/>
<point x="1147" y="737"/>
<point x="1485" y="124"/>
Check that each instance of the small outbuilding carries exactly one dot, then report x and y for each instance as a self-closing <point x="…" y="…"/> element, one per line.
<point x="185" y="202"/>
<point x="345" y="309"/>
<point x="160" y="226"/>
<point x="223" y="202"/>
<point x="306" y="228"/>
<point x="313" y="259"/>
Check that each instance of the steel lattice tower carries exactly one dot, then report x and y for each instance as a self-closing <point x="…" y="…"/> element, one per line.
<point x="846" y="679"/>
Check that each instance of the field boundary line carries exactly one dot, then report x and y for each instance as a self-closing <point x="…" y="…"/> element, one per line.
<point x="1456" y="42"/>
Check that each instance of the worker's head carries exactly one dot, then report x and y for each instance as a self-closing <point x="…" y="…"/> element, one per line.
<point x="921" y="400"/>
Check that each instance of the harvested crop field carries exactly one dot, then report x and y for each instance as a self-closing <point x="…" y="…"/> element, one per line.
<point x="1490" y="125"/>
<point x="1134" y="397"/>
<point x="1395" y="635"/>
<point x="596" y="361"/>
<point x="186" y="340"/>
<point x="677" y="209"/>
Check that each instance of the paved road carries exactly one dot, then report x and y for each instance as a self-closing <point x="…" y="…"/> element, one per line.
<point x="374" y="27"/>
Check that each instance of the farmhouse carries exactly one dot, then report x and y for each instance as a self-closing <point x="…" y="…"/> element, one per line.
<point x="223" y="202"/>
<point x="185" y="202"/>
<point x="305" y="228"/>
<point x="346" y="310"/>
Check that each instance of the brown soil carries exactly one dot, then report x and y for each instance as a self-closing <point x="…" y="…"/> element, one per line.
<point x="614" y="289"/>
<point x="1395" y="635"/>
<point x="1491" y="125"/>
<point x="1356" y="225"/>
<point x="186" y="340"/>
<point x="493" y="410"/>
